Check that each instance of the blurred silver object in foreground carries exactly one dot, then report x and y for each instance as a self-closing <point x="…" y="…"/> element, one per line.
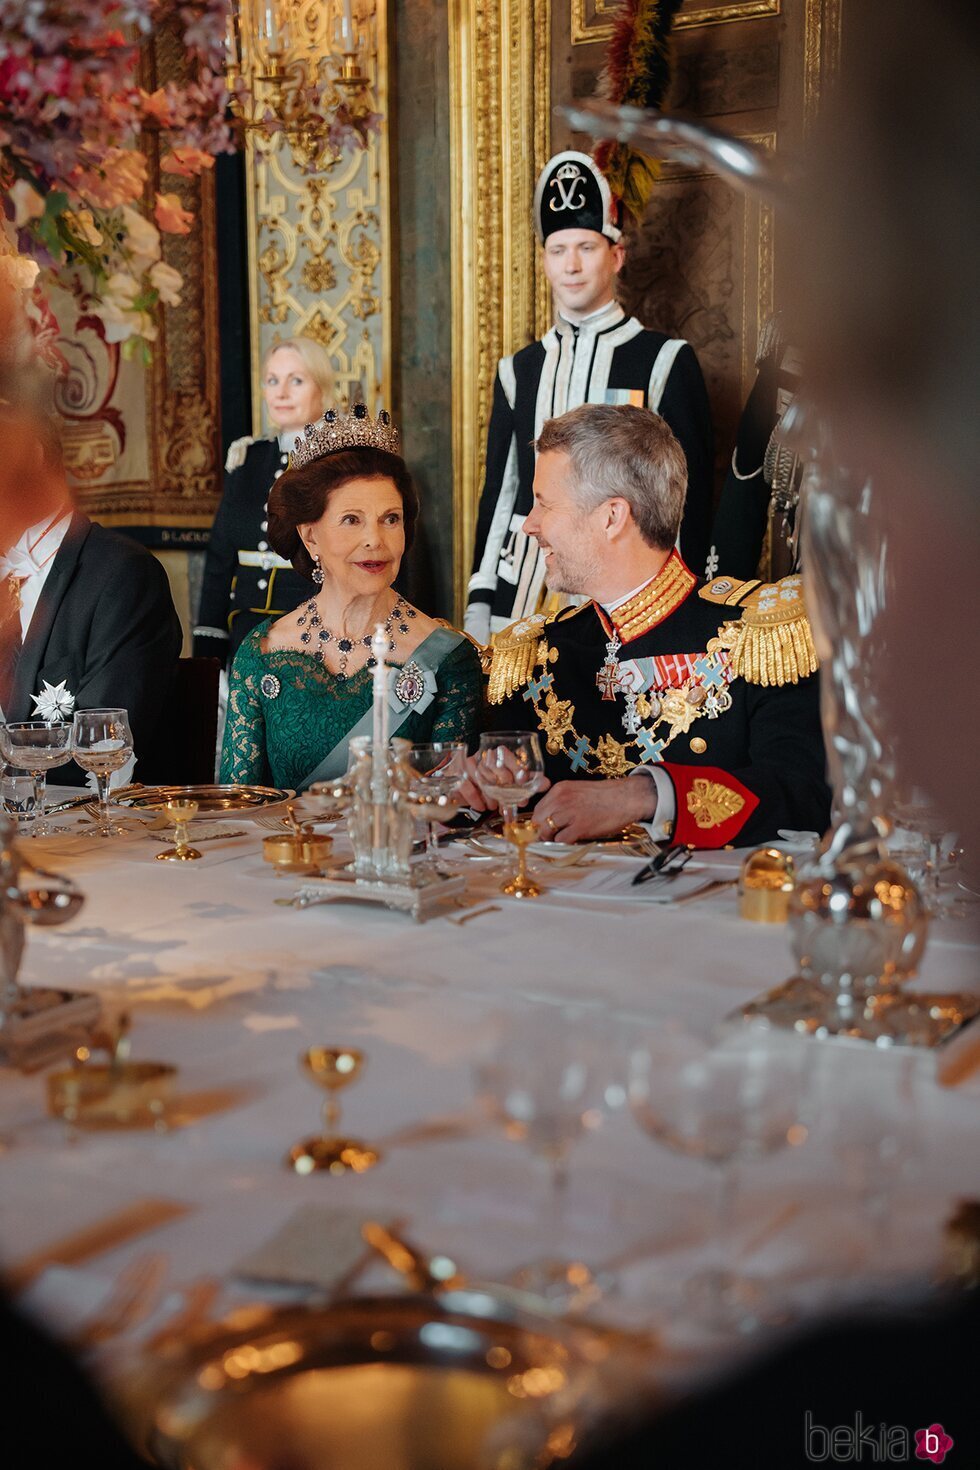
<point x="688" y="141"/>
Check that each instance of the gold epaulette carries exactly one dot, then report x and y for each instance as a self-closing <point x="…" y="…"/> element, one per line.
<point x="513" y="654"/>
<point x="728" y="590"/>
<point x="772" y="643"/>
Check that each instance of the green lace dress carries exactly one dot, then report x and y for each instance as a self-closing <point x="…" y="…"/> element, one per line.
<point x="286" y="711"/>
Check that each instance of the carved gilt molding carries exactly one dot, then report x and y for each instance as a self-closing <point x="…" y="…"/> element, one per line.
<point x="320" y="244"/>
<point x="500" y="131"/>
<point x="821" y="53"/>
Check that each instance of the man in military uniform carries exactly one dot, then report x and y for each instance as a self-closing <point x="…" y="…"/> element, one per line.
<point x="594" y="353"/>
<point x="665" y="700"/>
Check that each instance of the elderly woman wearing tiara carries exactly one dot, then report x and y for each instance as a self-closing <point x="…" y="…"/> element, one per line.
<point x="343" y="514"/>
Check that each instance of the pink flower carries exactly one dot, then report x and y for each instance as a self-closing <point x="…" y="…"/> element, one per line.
<point x="186" y="161"/>
<point x="157" y="105"/>
<point x="932" y="1444"/>
<point x="119" y="178"/>
<point x="171" y="215"/>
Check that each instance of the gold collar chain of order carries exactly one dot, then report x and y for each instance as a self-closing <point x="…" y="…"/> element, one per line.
<point x="674" y="709"/>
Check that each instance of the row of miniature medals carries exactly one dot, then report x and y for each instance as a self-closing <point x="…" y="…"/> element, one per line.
<point x="345" y="646"/>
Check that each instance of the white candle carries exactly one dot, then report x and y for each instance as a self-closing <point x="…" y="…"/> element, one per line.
<point x="272" y="28"/>
<point x="231" y="42"/>
<point x="347" y="27"/>
<point x="379" y="647"/>
<point x="379" y="753"/>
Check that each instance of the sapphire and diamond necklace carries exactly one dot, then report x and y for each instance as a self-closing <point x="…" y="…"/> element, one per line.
<point x="311" y="622"/>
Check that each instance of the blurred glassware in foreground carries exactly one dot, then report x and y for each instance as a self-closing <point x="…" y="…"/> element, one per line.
<point x="724" y="1099"/>
<point x="542" y="1081"/>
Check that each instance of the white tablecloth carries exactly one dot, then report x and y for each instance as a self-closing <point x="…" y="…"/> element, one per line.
<point x="232" y="987"/>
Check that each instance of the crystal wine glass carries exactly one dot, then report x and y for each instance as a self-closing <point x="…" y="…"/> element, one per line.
<point x="542" y="1081"/>
<point x="102" y="742"/>
<point x="725" y="1100"/>
<point x="18" y="797"/>
<point x="332" y="1068"/>
<point x="914" y="811"/>
<point x="510" y="770"/>
<point x="36" y="746"/>
<point x="437" y="770"/>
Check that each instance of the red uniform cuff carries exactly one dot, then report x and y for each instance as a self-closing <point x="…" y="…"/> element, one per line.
<point x="712" y="806"/>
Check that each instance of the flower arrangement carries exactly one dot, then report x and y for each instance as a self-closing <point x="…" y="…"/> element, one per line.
<point x="72" y="174"/>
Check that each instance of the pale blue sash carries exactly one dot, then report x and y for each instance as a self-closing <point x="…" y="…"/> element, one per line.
<point x="426" y="658"/>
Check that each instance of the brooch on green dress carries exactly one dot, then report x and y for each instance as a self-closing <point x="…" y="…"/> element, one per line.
<point x="409" y="686"/>
<point x="270" y="686"/>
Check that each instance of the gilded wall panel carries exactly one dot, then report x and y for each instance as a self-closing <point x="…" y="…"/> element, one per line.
<point x="319" y="251"/>
<point x="499" y="106"/>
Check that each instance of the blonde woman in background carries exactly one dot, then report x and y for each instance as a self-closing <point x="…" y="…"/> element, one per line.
<point x="245" y="582"/>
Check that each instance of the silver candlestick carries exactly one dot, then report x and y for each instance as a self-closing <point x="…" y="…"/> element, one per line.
<point x="376" y="794"/>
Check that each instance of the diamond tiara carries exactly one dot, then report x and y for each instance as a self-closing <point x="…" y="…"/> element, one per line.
<point x="336" y="431"/>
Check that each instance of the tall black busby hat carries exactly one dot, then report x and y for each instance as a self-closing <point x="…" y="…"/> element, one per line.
<point x="572" y="194"/>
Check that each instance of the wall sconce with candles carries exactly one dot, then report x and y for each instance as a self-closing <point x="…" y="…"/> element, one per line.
<point x="286" y="81"/>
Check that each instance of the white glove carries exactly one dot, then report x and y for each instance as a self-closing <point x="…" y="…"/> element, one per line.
<point x="237" y="450"/>
<point x="477" y="621"/>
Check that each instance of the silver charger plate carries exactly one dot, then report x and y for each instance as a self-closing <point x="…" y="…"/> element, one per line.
<point x="212" y="801"/>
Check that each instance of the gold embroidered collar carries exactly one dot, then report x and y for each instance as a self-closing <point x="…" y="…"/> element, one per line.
<point x="654" y="602"/>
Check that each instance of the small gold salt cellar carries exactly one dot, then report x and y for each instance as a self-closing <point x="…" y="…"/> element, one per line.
<point x="118" y="1093"/>
<point x="299" y="850"/>
<point x="765" y="886"/>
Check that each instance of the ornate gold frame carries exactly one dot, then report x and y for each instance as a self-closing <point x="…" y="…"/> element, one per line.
<point x="583" y="34"/>
<point x="499" y="73"/>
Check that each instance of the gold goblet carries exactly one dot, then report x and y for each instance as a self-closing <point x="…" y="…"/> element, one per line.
<point x="180" y="813"/>
<point x="521" y="833"/>
<point x="332" y="1067"/>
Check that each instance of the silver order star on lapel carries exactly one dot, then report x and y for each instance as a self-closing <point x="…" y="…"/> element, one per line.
<point x="54" y="702"/>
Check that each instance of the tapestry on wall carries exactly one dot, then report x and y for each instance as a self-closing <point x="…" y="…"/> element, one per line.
<point x="142" y="441"/>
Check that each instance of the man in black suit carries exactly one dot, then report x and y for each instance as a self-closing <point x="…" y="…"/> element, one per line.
<point x="87" y="621"/>
<point x="691" y="706"/>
